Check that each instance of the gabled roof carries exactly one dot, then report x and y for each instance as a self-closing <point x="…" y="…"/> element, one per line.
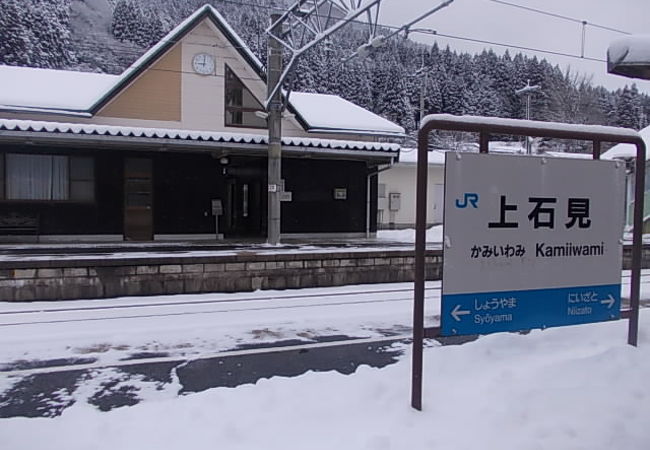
<point x="84" y="94"/>
<point x="96" y="90"/>
<point x="171" y="39"/>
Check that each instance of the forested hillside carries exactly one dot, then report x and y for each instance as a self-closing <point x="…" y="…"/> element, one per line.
<point x="107" y="35"/>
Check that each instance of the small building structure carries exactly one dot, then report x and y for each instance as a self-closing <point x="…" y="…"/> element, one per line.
<point x="627" y="153"/>
<point x="176" y="148"/>
<point x="397" y="185"/>
<point x="396" y="203"/>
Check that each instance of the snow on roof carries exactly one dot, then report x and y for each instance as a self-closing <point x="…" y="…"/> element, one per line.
<point x="481" y="121"/>
<point x="629" y="55"/>
<point x="82" y="93"/>
<point x="630" y="49"/>
<point x="47" y="90"/>
<point x="409" y="156"/>
<point x="188" y="135"/>
<point x="568" y="155"/>
<point x="627" y="151"/>
<point x="173" y="37"/>
<point x="331" y="113"/>
<point x="39" y="89"/>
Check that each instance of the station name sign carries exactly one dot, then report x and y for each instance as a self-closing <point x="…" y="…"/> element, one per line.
<point x="530" y="242"/>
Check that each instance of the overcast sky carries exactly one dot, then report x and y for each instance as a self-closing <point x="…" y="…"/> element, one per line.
<point x="491" y="21"/>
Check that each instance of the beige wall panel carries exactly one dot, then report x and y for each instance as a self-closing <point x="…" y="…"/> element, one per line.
<point x="203" y="95"/>
<point x="154" y="95"/>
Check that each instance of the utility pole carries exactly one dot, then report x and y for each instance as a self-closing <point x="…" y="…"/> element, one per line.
<point x="299" y="28"/>
<point x="274" y="64"/>
<point x="528" y="90"/>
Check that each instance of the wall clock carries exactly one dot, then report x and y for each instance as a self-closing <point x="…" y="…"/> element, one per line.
<point x="203" y="63"/>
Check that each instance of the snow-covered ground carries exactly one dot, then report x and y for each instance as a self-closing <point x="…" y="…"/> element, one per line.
<point x="194" y="325"/>
<point x="576" y="387"/>
<point x="110" y="330"/>
<point x="433" y="235"/>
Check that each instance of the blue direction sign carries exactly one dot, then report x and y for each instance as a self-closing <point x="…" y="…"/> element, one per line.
<point x="490" y="312"/>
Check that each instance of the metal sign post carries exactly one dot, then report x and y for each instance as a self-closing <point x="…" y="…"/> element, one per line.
<point x="217" y="211"/>
<point x="579" y="297"/>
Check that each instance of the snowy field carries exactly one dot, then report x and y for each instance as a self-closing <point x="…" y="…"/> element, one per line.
<point x="578" y="387"/>
<point x="565" y="388"/>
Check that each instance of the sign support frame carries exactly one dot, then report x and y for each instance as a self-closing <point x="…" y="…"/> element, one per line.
<point x="485" y="127"/>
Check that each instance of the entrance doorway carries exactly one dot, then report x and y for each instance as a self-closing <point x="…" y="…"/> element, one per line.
<point x="138" y="199"/>
<point x="243" y="214"/>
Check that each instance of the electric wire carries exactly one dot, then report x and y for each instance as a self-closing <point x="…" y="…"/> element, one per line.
<point x="559" y="16"/>
<point x="423" y="31"/>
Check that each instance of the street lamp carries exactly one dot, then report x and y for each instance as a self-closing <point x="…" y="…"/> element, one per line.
<point x="423" y="89"/>
<point x="528" y="91"/>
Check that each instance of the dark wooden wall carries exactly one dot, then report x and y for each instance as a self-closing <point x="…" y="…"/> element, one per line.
<point x="184" y="185"/>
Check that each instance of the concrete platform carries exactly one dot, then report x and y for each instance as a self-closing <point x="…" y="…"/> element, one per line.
<point x="62" y="271"/>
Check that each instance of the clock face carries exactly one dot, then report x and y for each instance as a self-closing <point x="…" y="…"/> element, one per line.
<point x="203" y="63"/>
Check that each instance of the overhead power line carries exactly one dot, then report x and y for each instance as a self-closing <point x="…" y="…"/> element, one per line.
<point x="518" y="47"/>
<point x="558" y="16"/>
<point x="429" y="32"/>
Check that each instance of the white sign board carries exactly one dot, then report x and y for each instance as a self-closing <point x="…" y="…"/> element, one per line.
<point x="530" y="242"/>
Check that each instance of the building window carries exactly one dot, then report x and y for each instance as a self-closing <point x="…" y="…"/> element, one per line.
<point x="82" y="179"/>
<point x="47" y="177"/>
<point x="241" y="104"/>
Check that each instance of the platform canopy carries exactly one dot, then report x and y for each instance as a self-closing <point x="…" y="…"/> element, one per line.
<point x="630" y="56"/>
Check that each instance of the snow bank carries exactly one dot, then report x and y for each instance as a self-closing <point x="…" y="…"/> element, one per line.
<point x="566" y="388"/>
<point x="433" y="235"/>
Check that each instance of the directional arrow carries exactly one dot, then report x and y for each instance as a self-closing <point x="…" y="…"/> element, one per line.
<point x="609" y="301"/>
<point x="456" y="313"/>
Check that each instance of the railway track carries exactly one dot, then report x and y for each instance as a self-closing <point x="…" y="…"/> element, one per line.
<point x="148" y="309"/>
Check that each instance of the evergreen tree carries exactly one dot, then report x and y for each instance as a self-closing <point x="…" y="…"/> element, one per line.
<point x="36" y="33"/>
<point x="629" y="110"/>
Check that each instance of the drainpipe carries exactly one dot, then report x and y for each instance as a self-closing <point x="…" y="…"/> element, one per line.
<point x="368" y="199"/>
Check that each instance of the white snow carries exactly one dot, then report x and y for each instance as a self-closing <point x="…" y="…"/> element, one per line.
<point x="409" y="156"/>
<point x="623" y="133"/>
<point x="630" y="49"/>
<point x="626" y="151"/>
<point x="578" y="387"/>
<point x="194" y="325"/>
<point x="433" y="235"/>
<point x="196" y="135"/>
<point x="331" y="113"/>
<point x="46" y="90"/>
<point x="568" y="155"/>
<point x="27" y="87"/>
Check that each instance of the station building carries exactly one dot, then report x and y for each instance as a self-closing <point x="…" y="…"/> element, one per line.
<point x="179" y="136"/>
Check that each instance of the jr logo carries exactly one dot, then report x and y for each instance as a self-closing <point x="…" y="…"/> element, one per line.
<point x="469" y="198"/>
